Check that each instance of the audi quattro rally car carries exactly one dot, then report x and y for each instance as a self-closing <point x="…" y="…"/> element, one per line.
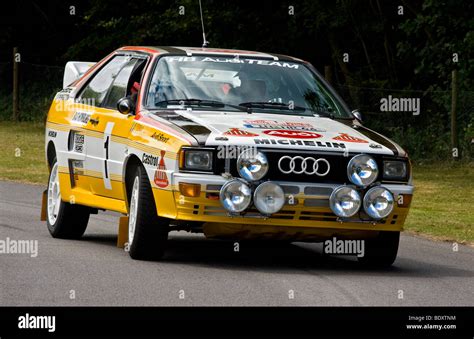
<point x="234" y="144"/>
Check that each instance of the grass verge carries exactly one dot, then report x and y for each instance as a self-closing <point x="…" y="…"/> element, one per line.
<point x="442" y="203"/>
<point x="441" y="207"/>
<point x="22" y="152"/>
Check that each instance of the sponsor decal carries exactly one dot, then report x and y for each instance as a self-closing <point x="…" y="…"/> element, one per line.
<point x="309" y="143"/>
<point x="161" y="179"/>
<point x="78" y="143"/>
<point x="234" y="60"/>
<point x="287" y="125"/>
<point x="379" y="140"/>
<point x="160" y="137"/>
<point x="236" y="132"/>
<point x="64" y="94"/>
<point x="78" y="168"/>
<point x="52" y="134"/>
<point x="375" y="146"/>
<point x="149" y="159"/>
<point x="94" y="122"/>
<point x="348" y="138"/>
<point x="293" y="134"/>
<point x="81" y="117"/>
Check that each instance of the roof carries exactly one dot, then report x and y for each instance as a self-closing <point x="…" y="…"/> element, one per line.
<point x="189" y="51"/>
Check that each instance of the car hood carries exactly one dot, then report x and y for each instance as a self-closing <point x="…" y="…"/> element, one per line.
<point x="281" y="131"/>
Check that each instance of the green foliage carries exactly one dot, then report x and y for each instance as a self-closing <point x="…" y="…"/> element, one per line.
<point x="409" y="55"/>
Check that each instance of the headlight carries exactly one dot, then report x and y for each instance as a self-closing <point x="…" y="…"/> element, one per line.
<point x="235" y="196"/>
<point x="378" y="202"/>
<point x="345" y="201"/>
<point x="198" y="160"/>
<point x="395" y="170"/>
<point x="269" y="198"/>
<point x="252" y="165"/>
<point x="362" y="170"/>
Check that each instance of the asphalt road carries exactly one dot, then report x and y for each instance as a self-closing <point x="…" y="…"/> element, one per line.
<point x="93" y="271"/>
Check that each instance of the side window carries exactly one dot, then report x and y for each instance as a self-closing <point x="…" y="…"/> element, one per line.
<point x="96" y="90"/>
<point x="120" y="85"/>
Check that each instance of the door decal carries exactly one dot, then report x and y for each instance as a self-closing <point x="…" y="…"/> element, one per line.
<point x="105" y="171"/>
<point x="161" y="179"/>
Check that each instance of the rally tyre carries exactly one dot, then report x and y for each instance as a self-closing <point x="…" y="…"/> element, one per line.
<point x="381" y="252"/>
<point x="147" y="232"/>
<point x="64" y="220"/>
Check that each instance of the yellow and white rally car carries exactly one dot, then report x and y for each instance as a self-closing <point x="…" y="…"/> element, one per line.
<point x="234" y="144"/>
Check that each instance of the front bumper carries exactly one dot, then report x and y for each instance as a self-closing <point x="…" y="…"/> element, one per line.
<point x="309" y="208"/>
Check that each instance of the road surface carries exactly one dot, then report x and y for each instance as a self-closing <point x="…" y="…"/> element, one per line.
<point x="94" y="272"/>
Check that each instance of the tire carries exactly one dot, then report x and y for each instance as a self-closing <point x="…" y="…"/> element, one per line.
<point x="381" y="252"/>
<point x="147" y="232"/>
<point x="64" y="220"/>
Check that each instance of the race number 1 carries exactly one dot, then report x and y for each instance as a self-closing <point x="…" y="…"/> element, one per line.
<point x="105" y="170"/>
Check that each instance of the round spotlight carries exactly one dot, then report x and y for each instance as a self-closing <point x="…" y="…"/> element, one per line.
<point x="235" y="196"/>
<point x="345" y="201"/>
<point x="252" y="165"/>
<point x="269" y="198"/>
<point x="378" y="202"/>
<point x="362" y="170"/>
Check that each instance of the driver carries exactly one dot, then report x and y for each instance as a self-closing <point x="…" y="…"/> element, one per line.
<point x="249" y="90"/>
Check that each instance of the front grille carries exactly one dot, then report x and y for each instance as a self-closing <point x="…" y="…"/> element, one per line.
<point x="294" y="213"/>
<point x="337" y="161"/>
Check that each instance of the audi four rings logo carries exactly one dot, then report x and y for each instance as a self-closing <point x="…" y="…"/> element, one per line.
<point x="300" y="165"/>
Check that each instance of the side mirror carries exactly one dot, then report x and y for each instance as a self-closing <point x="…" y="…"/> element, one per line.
<point x="125" y="105"/>
<point x="356" y="113"/>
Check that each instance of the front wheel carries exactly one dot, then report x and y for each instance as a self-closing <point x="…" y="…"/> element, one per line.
<point x="64" y="220"/>
<point x="147" y="232"/>
<point x="381" y="251"/>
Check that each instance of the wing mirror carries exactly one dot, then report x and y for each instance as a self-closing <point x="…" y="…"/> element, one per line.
<point x="125" y="105"/>
<point x="356" y="113"/>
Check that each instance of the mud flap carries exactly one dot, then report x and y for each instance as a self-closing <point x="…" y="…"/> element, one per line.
<point x="44" y="202"/>
<point x="122" y="237"/>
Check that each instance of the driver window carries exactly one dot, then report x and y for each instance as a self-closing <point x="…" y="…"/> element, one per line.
<point x="121" y="86"/>
<point x="95" y="92"/>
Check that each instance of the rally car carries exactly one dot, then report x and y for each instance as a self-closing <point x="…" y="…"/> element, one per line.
<point x="233" y="144"/>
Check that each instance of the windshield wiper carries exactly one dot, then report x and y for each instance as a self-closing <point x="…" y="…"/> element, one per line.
<point x="272" y="105"/>
<point x="198" y="102"/>
<point x="330" y="115"/>
<point x="277" y="105"/>
<point x="327" y="114"/>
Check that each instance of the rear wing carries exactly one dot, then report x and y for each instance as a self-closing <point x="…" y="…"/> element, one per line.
<point x="74" y="70"/>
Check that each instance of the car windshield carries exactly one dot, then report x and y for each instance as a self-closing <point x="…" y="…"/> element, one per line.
<point x="252" y="85"/>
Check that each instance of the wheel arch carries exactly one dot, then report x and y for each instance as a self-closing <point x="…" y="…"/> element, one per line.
<point x="130" y="163"/>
